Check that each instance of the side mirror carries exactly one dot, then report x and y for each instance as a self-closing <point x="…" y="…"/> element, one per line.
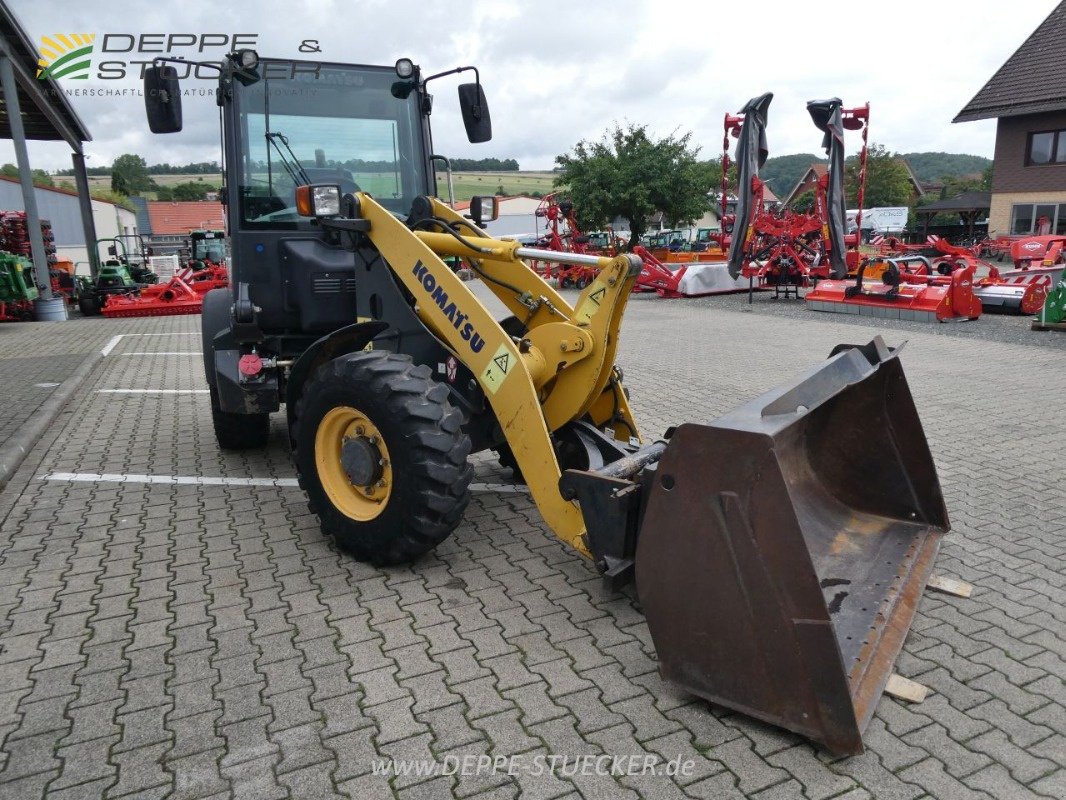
<point x="484" y="208"/>
<point x="475" y="110"/>
<point x="162" y="99"/>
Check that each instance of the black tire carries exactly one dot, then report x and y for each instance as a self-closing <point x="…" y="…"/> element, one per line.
<point x="89" y="305"/>
<point x="582" y="282"/>
<point x="565" y="282"/>
<point x="427" y="454"/>
<point x="238" y="431"/>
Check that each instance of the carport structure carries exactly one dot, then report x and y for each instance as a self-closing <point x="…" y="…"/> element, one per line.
<point x="38" y="109"/>
<point x="969" y="205"/>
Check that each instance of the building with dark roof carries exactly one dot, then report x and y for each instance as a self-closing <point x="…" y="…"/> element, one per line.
<point x="1027" y="96"/>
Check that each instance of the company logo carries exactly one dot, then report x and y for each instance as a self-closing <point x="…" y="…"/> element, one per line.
<point x="451" y="311"/>
<point x="65" y="55"/>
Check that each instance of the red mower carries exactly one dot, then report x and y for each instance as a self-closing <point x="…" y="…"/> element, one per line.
<point x="910" y="288"/>
<point x="786" y="249"/>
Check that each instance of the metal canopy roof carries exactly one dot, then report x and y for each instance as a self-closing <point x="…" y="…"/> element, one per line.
<point x="967" y="201"/>
<point x="46" y="112"/>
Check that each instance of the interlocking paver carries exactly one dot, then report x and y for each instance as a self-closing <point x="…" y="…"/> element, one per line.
<point x="208" y="641"/>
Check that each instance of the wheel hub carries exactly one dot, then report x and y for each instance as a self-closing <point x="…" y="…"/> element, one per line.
<point x="353" y="463"/>
<point x="361" y="461"/>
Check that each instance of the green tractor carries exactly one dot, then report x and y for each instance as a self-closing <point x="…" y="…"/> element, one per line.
<point x="206" y="248"/>
<point x="17" y="290"/>
<point x="114" y="275"/>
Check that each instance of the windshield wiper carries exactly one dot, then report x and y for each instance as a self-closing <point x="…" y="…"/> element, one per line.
<point x="291" y="162"/>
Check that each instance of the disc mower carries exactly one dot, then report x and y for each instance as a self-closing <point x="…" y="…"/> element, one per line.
<point x="784" y="248"/>
<point x="779" y="552"/>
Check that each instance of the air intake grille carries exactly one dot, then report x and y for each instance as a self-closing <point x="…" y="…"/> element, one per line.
<point x="326" y="283"/>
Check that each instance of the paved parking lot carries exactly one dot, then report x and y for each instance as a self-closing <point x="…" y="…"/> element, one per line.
<point x="200" y="638"/>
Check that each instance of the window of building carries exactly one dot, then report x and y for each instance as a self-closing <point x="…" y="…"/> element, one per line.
<point x="1038" y="219"/>
<point x="1046" y="147"/>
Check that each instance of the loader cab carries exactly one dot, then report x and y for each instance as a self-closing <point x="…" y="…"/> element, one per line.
<point x="294" y="280"/>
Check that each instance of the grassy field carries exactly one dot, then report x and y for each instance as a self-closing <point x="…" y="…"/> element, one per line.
<point x="467" y="184"/>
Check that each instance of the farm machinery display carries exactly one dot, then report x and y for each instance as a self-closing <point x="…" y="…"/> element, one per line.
<point x="786" y="249"/>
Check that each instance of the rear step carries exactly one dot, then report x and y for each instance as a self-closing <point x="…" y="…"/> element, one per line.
<point x="780" y="551"/>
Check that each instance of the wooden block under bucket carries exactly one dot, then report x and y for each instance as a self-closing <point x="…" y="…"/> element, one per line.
<point x="905" y="689"/>
<point x="942" y="583"/>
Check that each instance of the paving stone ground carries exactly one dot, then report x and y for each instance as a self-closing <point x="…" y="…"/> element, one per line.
<point x="36" y="357"/>
<point x="206" y="641"/>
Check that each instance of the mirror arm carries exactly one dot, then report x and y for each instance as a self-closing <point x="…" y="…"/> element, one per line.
<point x="456" y="71"/>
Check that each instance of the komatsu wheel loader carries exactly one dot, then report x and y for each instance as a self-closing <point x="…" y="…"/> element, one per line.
<point x="779" y="552"/>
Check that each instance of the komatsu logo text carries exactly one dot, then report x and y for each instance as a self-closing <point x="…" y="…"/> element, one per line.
<point x="451" y="311"/>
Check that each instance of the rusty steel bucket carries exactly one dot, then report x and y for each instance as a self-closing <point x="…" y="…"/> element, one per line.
<point x="785" y="546"/>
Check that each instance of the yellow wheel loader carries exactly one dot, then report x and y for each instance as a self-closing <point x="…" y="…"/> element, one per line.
<point x="779" y="552"/>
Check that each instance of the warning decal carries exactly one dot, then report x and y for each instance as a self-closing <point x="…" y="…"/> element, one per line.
<point x="591" y="304"/>
<point x="498" y="368"/>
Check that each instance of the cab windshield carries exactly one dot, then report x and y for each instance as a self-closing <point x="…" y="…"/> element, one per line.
<point x="339" y="125"/>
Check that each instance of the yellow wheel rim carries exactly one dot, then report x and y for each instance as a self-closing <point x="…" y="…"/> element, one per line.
<point x="342" y="427"/>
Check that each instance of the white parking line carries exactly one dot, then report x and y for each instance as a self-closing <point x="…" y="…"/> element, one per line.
<point x="204" y="480"/>
<point x="153" y="391"/>
<point x="112" y="343"/>
<point x="163" y="353"/>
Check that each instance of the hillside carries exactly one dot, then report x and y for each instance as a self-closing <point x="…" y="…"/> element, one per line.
<point x="933" y="166"/>
<point x="782" y="172"/>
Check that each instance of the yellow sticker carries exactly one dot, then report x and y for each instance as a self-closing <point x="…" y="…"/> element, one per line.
<point x="497" y="370"/>
<point x="592" y="303"/>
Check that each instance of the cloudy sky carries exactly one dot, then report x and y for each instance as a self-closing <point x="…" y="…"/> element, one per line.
<point x="556" y="72"/>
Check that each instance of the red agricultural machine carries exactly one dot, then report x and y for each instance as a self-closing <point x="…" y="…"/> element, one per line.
<point x="562" y="235"/>
<point x="694" y="279"/>
<point x="1021" y="290"/>
<point x="182" y="294"/>
<point x="908" y="288"/>
<point x="786" y="249"/>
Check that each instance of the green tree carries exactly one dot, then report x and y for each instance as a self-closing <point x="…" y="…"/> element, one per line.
<point x="129" y="175"/>
<point x="39" y="176"/>
<point x="803" y="202"/>
<point x="887" y="180"/>
<point x="190" y="190"/>
<point x="628" y="174"/>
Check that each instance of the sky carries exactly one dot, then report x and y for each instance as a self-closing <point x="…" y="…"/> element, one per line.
<point x="556" y="72"/>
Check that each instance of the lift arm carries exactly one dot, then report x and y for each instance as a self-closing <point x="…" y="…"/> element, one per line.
<point x="560" y="370"/>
